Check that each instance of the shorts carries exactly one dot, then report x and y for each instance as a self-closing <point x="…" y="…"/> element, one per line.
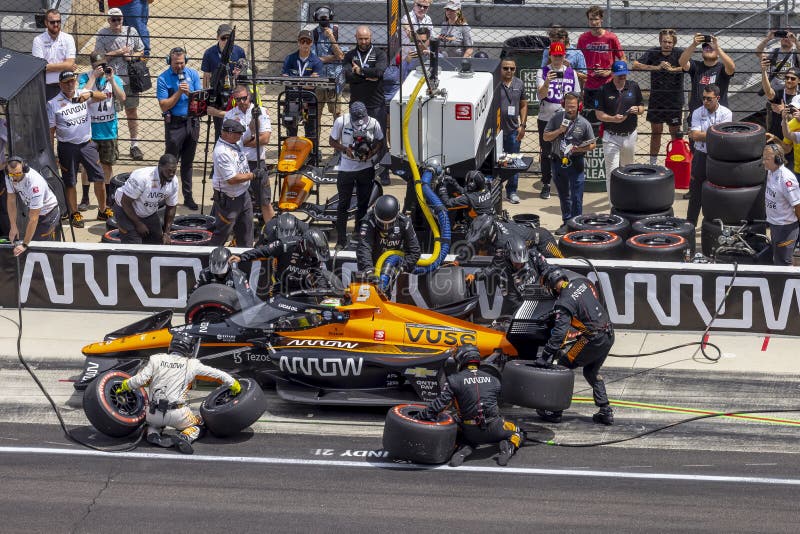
<point x="70" y="155"/>
<point x="131" y="98"/>
<point x="107" y="148"/>
<point x="671" y="117"/>
<point x="331" y="98"/>
<point x="263" y="195"/>
<point x="47" y="225"/>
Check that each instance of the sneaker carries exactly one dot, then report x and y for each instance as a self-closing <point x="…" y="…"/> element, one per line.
<point x="460" y="455"/>
<point x="513" y="198"/>
<point x="545" y="194"/>
<point x="507" y="450"/>
<point x="84" y="205"/>
<point x="77" y="220"/>
<point x="136" y="153"/>
<point x="604" y="416"/>
<point x="104" y="215"/>
<point x="190" y="203"/>
<point x="183" y="445"/>
<point x="563" y="229"/>
<point x="154" y="438"/>
<point x="549" y="416"/>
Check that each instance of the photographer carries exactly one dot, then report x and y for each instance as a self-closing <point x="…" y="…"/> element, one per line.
<point x="716" y="68"/>
<point x="358" y="138"/>
<point x="778" y="99"/>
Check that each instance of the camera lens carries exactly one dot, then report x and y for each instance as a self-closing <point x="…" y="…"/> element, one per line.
<point x="107" y="70"/>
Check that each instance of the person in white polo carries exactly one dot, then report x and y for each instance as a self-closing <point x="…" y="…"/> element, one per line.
<point x="57" y="48"/>
<point x="782" y="203"/>
<point x="43" y="212"/>
<point x="139" y="198"/>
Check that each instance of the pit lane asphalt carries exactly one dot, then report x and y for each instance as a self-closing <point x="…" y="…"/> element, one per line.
<point x="279" y="483"/>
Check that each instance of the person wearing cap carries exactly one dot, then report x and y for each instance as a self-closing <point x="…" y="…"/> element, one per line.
<point x="57" y="48"/>
<point x="43" y="212"/>
<point x="553" y="81"/>
<point x="456" y="35"/>
<point x="327" y="48"/>
<point x="349" y="134"/>
<point x="600" y="47"/>
<point x="233" y="208"/>
<point x="716" y="67"/>
<point x="122" y="44"/>
<point x="574" y="57"/>
<point x="781" y="57"/>
<point x="303" y="63"/>
<point x="137" y="13"/>
<point x="778" y="99"/>
<point x="620" y="104"/>
<point x="211" y="60"/>
<point x="103" y="115"/>
<point x="419" y="19"/>
<point x="68" y="117"/>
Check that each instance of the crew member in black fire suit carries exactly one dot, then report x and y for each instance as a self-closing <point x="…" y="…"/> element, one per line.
<point x="385" y="228"/>
<point x="298" y="263"/>
<point x="170" y="375"/>
<point x="283" y="226"/>
<point x="488" y="234"/>
<point x="577" y="306"/>
<point x="218" y="270"/>
<point x="475" y="394"/>
<point x="476" y="196"/>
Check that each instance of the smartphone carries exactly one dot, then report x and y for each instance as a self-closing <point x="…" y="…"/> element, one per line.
<point x="707" y="38"/>
<point x="559" y="74"/>
<point x="781" y="33"/>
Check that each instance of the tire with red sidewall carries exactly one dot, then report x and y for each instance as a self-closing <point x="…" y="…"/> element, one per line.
<point x="657" y="246"/>
<point x="735" y="141"/>
<point x="111" y="414"/>
<point x="592" y="244"/>
<point x="424" y="442"/>
<point x="542" y="388"/>
<point x="211" y="303"/>
<point x="112" y="236"/>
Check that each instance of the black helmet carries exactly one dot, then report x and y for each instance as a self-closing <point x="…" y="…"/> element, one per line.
<point x="218" y="261"/>
<point x="553" y="277"/>
<point x="285" y="226"/>
<point x="182" y="343"/>
<point x="385" y="211"/>
<point x="475" y="181"/>
<point x="482" y="230"/>
<point x="466" y="355"/>
<point x="315" y="245"/>
<point x="516" y="250"/>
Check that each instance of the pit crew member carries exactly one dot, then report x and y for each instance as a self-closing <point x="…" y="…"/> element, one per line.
<point x="782" y="199"/>
<point x="475" y="196"/>
<point x="218" y="270"/>
<point x="43" y="211"/>
<point x="488" y="236"/>
<point x="385" y="228"/>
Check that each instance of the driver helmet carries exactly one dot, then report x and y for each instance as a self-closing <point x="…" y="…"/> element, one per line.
<point x="467" y="355"/>
<point x="285" y="226"/>
<point x="475" y="181"/>
<point x="218" y="261"/>
<point x="554" y="278"/>
<point x="314" y="245"/>
<point x="482" y="230"/>
<point x="385" y="212"/>
<point x="182" y="344"/>
<point x="516" y="250"/>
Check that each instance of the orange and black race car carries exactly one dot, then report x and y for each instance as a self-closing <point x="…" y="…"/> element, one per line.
<point x="357" y="349"/>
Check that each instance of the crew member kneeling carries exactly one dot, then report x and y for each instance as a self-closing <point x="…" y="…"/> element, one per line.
<point x="139" y="198"/>
<point x="43" y="211"/>
<point x="169" y="377"/>
<point x="475" y="393"/>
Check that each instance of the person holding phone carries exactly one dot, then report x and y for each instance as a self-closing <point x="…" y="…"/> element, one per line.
<point x="780" y="58"/>
<point x="716" y="67"/>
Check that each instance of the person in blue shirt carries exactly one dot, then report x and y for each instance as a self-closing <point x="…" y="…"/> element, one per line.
<point x="181" y="129"/>
<point x="211" y="60"/>
<point x="303" y="63"/>
<point x="327" y="48"/>
<point x="574" y="57"/>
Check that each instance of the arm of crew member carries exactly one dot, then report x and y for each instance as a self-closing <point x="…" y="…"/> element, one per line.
<point x="30" y="228"/>
<point x="339" y="147"/>
<point x="263" y="137"/>
<point x="697" y="135"/>
<point x="241" y="177"/>
<point x="11" y="205"/>
<point x="797" y="211"/>
<point x="67" y="64"/>
<point x="169" y="216"/>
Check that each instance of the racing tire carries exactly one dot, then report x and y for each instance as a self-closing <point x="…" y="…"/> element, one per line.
<point x="423" y="442"/>
<point x="112" y="236"/>
<point x="542" y="388"/>
<point x="193" y="222"/>
<point x="735" y="173"/>
<point x="211" y="303"/>
<point x="735" y="141"/>
<point x="710" y="232"/>
<point x="446" y="285"/>
<point x="592" y="244"/>
<point x="640" y="187"/>
<point x="733" y="204"/>
<point x="117" y="181"/>
<point x="192" y="237"/>
<point x="601" y="221"/>
<point x="657" y="246"/>
<point x="225" y="415"/>
<point x="115" y="415"/>
<point x="666" y="224"/>
<point x="527" y="219"/>
<point x="634" y="216"/>
<point x="111" y="223"/>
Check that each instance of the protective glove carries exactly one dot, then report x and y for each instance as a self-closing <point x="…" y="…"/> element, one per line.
<point x="548" y="355"/>
<point x="123" y="387"/>
<point x="236" y="388"/>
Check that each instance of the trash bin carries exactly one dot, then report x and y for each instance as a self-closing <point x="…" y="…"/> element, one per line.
<point x="527" y="50"/>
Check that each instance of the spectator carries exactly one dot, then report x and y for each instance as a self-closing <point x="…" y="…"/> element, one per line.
<point x="620" y="105"/>
<point x="245" y="113"/>
<point x="513" y="117"/>
<point x="782" y="57"/>
<point x="600" y="48"/>
<point x="456" y="35"/>
<point x="43" y="212"/>
<point x="139" y="198"/>
<point x="103" y="115"/>
<point x="356" y="168"/>
<point x="181" y="131"/>
<point x="419" y="19"/>
<point x="666" y="88"/>
<point x="779" y="98"/>
<point x="211" y="60"/>
<point x="327" y="48"/>
<point x="57" y="48"/>
<point x="363" y="70"/>
<point x="303" y="63"/>
<point x="137" y="13"/>
<point x="574" y="58"/>
<point x="571" y="136"/>
<point x="68" y="116"/>
<point x="411" y="60"/>
<point x="4" y="223"/>
<point x="709" y="114"/>
<point x="120" y="44"/>
<point x="716" y="68"/>
<point x="782" y="198"/>
<point x="553" y="82"/>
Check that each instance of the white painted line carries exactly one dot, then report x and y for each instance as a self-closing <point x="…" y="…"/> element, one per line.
<point x="530" y="471"/>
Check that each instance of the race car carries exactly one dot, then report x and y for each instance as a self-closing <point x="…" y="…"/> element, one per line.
<point x="357" y="349"/>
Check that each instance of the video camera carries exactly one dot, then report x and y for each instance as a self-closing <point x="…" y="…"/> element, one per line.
<point x="363" y="142"/>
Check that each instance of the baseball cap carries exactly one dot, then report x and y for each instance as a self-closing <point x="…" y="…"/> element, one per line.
<point x="794" y="71"/>
<point x="66" y="75"/>
<point x="224" y="29"/>
<point x="305" y="34"/>
<point x="453" y="5"/>
<point x="231" y="125"/>
<point x="115" y="12"/>
<point x="358" y="111"/>
<point x="619" y="68"/>
<point x="557" y="49"/>
<point x="96" y="57"/>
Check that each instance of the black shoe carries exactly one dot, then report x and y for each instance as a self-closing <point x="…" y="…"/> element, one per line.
<point x="136" y="153"/>
<point x="549" y="416"/>
<point x="563" y="229"/>
<point x="604" y="416"/>
<point x="460" y="455"/>
<point x="687" y="195"/>
<point x="190" y="203"/>
<point x="183" y="445"/>
<point x="545" y="193"/>
<point x="154" y="438"/>
<point x="507" y="450"/>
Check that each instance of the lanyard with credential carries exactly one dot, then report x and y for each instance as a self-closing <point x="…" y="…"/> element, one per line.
<point x="364" y="60"/>
<point x="301" y="67"/>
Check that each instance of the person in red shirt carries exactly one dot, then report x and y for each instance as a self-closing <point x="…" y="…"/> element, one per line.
<point x="601" y="48"/>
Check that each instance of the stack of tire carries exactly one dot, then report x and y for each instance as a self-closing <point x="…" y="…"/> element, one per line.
<point x="660" y="238"/>
<point x="639" y="191"/>
<point x="734" y="190"/>
<point x="596" y="236"/>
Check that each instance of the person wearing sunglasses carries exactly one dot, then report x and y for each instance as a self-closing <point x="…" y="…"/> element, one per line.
<point x="778" y="98"/>
<point x="211" y="60"/>
<point x="420" y="18"/>
<point x="137" y="13"/>
<point x="43" y="212"/>
<point x="57" y="48"/>
<point x="513" y="117"/>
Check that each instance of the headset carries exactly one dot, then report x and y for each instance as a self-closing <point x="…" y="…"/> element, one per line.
<point x="573" y="94"/>
<point x="777" y="154"/>
<point x="323" y="11"/>
<point x="25" y="167"/>
<point x="177" y="50"/>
